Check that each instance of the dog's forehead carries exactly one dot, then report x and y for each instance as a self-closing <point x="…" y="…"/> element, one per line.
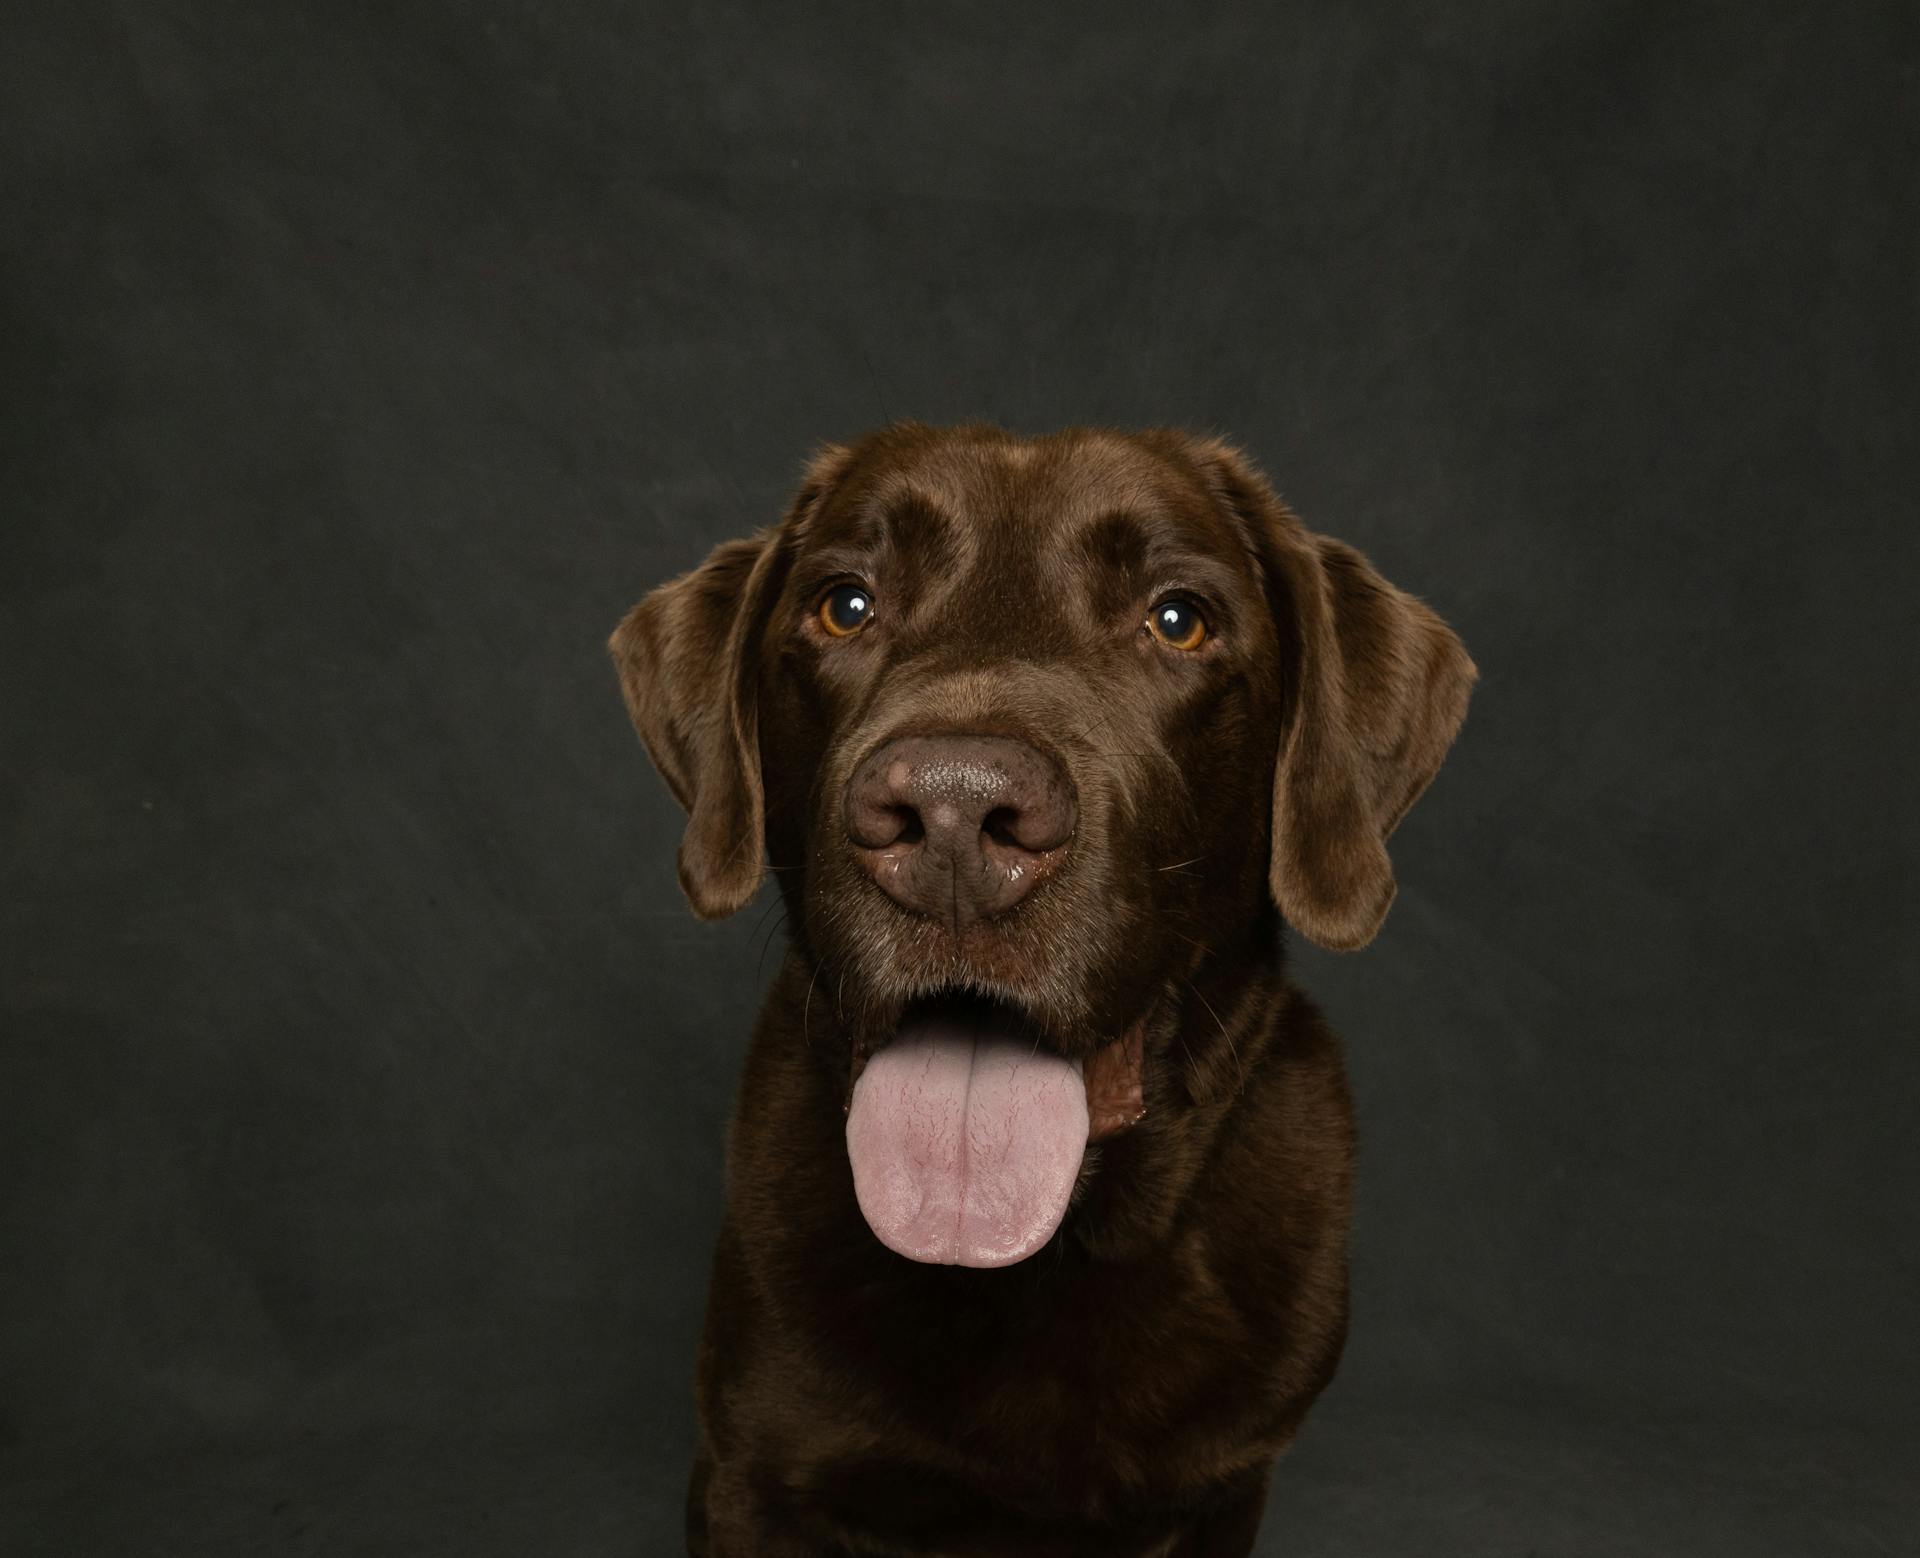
<point x="1017" y="488"/>
<point x="1065" y="481"/>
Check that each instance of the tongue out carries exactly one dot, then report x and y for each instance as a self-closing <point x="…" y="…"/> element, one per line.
<point x="965" y="1142"/>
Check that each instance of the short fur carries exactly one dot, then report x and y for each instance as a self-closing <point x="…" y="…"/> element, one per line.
<point x="1126" y="1390"/>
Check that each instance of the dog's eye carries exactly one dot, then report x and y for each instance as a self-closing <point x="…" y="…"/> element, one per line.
<point x="846" y="609"/>
<point x="1177" y="623"/>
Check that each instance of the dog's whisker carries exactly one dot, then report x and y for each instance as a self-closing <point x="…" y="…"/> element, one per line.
<point x="806" y="1009"/>
<point x="1185" y="1049"/>
<point x="1232" y="1048"/>
<point x="1201" y="945"/>
<point x="766" y="933"/>
<point x="1088" y="729"/>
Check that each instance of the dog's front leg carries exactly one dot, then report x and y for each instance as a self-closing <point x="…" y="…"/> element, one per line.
<point x="732" y="1513"/>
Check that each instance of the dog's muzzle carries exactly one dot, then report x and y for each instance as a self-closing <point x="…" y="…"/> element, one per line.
<point x="959" y="827"/>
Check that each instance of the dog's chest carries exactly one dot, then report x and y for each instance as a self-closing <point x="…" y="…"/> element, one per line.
<point x="1077" y="1394"/>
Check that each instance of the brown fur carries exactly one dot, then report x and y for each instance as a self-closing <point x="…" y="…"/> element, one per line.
<point x="1126" y="1390"/>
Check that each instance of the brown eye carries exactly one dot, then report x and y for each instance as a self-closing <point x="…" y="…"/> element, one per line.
<point x="846" y="609"/>
<point x="1177" y="623"/>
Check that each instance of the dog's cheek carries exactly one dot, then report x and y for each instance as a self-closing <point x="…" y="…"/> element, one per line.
<point x="1223" y="744"/>
<point x="796" y="727"/>
<point x="804" y="762"/>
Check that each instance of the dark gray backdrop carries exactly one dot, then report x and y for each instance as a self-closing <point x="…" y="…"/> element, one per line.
<point x="363" y="1080"/>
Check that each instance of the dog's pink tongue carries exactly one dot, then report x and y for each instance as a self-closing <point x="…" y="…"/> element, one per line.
<point x="965" y="1143"/>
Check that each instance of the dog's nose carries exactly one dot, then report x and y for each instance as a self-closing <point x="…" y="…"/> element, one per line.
<point x="960" y="827"/>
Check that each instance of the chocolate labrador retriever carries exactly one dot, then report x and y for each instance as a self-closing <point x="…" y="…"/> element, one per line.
<point x="1037" y="1183"/>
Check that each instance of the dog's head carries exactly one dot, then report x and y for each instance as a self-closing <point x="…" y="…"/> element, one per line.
<point x="1036" y="723"/>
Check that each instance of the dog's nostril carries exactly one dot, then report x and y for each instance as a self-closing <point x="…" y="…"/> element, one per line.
<point x="912" y="829"/>
<point x="1001" y="824"/>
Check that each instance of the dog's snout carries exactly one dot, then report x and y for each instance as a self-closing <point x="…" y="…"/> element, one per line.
<point x="961" y="827"/>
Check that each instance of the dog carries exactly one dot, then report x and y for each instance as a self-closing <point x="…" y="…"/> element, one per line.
<point x="1037" y="1183"/>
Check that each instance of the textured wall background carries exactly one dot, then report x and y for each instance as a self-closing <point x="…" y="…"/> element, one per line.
<point x="360" y="1065"/>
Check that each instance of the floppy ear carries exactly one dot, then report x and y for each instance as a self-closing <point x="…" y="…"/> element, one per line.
<point x="1381" y="687"/>
<point x="688" y="659"/>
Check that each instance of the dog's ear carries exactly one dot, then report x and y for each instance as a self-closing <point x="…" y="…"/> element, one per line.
<point x="1380" y="687"/>
<point x="688" y="657"/>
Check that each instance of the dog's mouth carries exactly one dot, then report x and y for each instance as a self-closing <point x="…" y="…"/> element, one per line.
<point x="966" y="1129"/>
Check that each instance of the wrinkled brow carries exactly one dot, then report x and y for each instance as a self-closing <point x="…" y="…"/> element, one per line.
<point x="903" y="526"/>
<point x="1125" y="545"/>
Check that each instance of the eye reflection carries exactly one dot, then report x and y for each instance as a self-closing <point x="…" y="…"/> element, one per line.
<point x="846" y="609"/>
<point x="1177" y="623"/>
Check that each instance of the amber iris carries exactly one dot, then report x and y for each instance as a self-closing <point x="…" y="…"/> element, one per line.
<point x="846" y="609"/>
<point x="1177" y="623"/>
